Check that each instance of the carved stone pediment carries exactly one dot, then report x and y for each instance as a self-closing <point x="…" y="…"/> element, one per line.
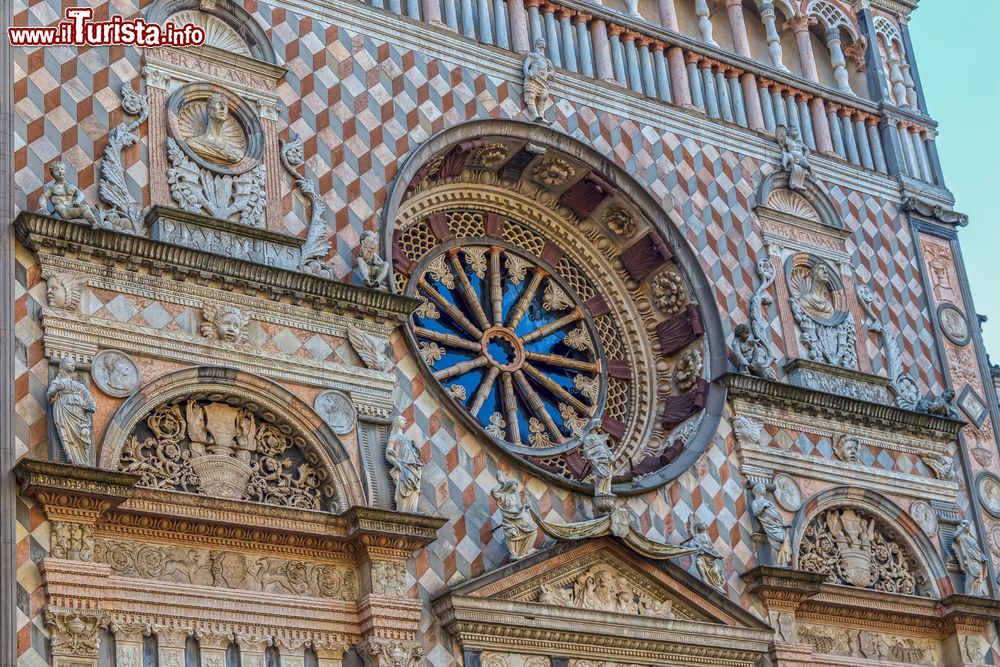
<point x="597" y="599"/>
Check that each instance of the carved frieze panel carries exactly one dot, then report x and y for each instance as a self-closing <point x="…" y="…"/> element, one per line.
<point x="227" y="569"/>
<point x="497" y="659"/>
<point x="602" y="588"/>
<point x="869" y="645"/>
<point x="226" y="448"/>
<point x="854" y="548"/>
<point x="882" y="458"/>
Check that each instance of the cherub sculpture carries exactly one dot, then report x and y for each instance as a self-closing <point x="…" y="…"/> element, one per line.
<point x="794" y="157"/>
<point x="64" y="198"/>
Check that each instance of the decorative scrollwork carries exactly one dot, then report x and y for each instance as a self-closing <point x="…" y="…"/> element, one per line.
<point x="856" y="549"/>
<point x="224" y="450"/>
<point x="125" y="214"/>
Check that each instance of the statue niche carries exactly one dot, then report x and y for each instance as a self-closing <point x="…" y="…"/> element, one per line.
<point x="828" y="330"/>
<point x="223" y="447"/>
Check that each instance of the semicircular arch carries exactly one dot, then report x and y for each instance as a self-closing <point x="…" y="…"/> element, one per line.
<point x="917" y="546"/>
<point x="275" y="413"/>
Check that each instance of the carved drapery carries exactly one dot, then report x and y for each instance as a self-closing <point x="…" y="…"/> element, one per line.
<point x="602" y="588"/>
<point x="854" y="548"/>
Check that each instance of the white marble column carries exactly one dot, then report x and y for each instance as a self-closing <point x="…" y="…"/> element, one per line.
<point x="767" y="15"/>
<point x="837" y="60"/>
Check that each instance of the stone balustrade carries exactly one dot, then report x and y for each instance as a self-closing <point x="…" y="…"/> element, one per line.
<point x="660" y="63"/>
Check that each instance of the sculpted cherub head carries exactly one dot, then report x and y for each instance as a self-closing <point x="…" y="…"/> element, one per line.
<point x="848" y="448"/>
<point x="58" y="170"/>
<point x="227" y="323"/>
<point x="62" y="290"/>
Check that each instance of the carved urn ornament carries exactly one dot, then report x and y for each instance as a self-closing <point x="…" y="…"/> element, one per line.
<point x="224" y="447"/>
<point x="853" y="548"/>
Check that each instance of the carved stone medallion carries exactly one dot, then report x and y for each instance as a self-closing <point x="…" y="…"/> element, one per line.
<point x="115" y="373"/>
<point x="337" y="411"/>
<point x="819" y="308"/>
<point x="925" y="517"/>
<point x="215" y="148"/>
<point x="989" y="493"/>
<point x="787" y="492"/>
<point x="954" y="325"/>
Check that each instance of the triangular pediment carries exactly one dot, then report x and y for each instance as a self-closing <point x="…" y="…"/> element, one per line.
<point x="599" y="578"/>
<point x="583" y="599"/>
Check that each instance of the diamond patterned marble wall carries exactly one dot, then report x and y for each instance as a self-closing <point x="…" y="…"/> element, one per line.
<point x="361" y="106"/>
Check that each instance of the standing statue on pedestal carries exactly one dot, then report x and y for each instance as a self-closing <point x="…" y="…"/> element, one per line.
<point x="405" y="466"/>
<point x="708" y="559"/>
<point x="774" y="526"/>
<point x="72" y="407"/>
<point x="751" y="341"/>
<point x="971" y="559"/>
<point x="794" y="157"/>
<point x="374" y="270"/>
<point x="65" y="198"/>
<point x="519" y="529"/>
<point x="537" y="71"/>
<point x="602" y="462"/>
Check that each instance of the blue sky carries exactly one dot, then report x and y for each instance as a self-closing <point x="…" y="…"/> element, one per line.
<point x="958" y="55"/>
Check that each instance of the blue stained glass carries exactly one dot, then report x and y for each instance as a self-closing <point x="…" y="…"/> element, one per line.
<point x="505" y="350"/>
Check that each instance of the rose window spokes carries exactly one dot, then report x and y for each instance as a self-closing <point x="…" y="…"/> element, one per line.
<point x="512" y="345"/>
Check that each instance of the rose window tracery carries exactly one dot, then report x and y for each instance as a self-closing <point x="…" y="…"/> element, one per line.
<point x="517" y="340"/>
<point x="543" y="316"/>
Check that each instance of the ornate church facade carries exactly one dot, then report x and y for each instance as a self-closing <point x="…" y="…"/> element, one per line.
<point x="495" y="333"/>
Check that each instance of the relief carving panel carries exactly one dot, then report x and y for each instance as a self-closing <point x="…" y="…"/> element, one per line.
<point x="188" y="565"/>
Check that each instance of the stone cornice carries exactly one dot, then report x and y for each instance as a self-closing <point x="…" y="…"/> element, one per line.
<point x="507" y="625"/>
<point x="809" y="401"/>
<point x="118" y="507"/>
<point x="935" y="213"/>
<point x="816" y="601"/>
<point x="504" y="65"/>
<point x="44" y="234"/>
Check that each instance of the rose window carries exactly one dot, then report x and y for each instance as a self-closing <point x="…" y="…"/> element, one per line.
<point x="550" y="308"/>
<point x="512" y="343"/>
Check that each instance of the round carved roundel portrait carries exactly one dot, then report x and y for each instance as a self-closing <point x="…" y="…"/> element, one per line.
<point x="215" y="128"/>
<point x="552" y="309"/>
